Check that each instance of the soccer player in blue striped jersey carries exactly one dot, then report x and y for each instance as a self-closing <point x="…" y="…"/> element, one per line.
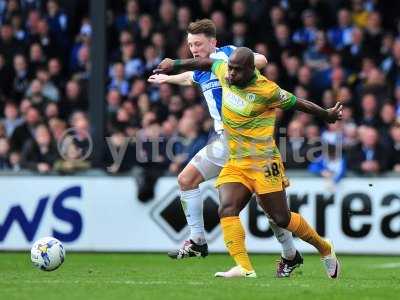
<point x="209" y="161"/>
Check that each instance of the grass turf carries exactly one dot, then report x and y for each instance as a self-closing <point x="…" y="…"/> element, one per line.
<point x="155" y="276"/>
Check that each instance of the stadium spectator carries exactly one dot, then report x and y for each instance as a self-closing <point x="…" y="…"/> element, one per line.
<point x="81" y="134"/>
<point x="118" y="80"/>
<point x="55" y="69"/>
<point x="21" y="77"/>
<point x="340" y="35"/>
<point x="11" y="119"/>
<point x="36" y="57"/>
<point x="151" y="60"/>
<point x="24" y="132"/>
<point x="294" y="150"/>
<point x="167" y="25"/>
<point x="224" y="36"/>
<point x="4" y="154"/>
<point x="317" y="55"/>
<point x="374" y="33"/>
<point x="46" y="39"/>
<point x="190" y="141"/>
<point x="388" y="118"/>
<point x="307" y="34"/>
<point x="40" y="153"/>
<point x="6" y="76"/>
<point x="57" y="128"/>
<point x="49" y="89"/>
<point x="239" y="11"/>
<point x="240" y="34"/>
<point x="330" y="165"/>
<point x="11" y="8"/>
<point x="138" y="88"/>
<point x="369" y="111"/>
<point x="9" y="46"/>
<point x="73" y="100"/>
<point x="184" y="16"/>
<point x="36" y="96"/>
<point x="118" y="143"/>
<point x="15" y="161"/>
<point x="152" y="163"/>
<point x="356" y="50"/>
<point x="146" y="28"/>
<point x="359" y="13"/>
<point x="50" y="111"/>
<point x="71" y="163"/>
<point x="113" y="102"/>
<point x="395" y="148"/>
<point x="58" y="22"/>
<point x="206" y="7"/>
<point x="391" y="65"/>
<point x="281" y="42"/>
<point x="130" y="18"/>
<point x="333" y="134"/>
<point x="375" y="84"/>
<point x="368" y="157"/>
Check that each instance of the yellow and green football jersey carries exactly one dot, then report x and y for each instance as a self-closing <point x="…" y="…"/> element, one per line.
<point x="248" y="114"/>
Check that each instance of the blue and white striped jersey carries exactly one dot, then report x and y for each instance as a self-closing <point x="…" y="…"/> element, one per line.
<point x="211" y="87"/>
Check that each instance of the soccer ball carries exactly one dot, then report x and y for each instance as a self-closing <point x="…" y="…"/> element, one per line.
<point x="47" y="254"/>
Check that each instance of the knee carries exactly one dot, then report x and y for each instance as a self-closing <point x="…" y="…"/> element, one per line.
<point x="186" y="182"/>
<point x="228" y="210"/>
<point x="281" y="219"/>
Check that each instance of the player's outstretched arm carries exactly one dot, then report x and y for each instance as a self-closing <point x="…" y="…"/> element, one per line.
<point x="169" y="65"/>
<point x="330" y="115"/>
<point x="260" y="61"/>
<point x="185" y="78"/>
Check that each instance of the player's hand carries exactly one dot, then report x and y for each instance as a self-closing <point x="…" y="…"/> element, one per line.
<point x="158" y="78"/>
<point x="166" y="66"/>
<point x="335" y="113"/>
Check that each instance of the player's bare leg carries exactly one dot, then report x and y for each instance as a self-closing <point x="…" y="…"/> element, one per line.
<point x="233" y="198"/>
<point x="196" y="246"/>
<point x="275" y="205"/>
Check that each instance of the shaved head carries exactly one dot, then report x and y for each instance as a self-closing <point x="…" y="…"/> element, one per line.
<point x="241" y="66"/>
<point x="243" y="56"/>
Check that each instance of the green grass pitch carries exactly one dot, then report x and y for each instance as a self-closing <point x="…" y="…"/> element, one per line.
<point x="155" y="276"/>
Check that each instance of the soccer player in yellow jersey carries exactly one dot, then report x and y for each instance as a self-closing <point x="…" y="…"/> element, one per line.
<point x="254" y="165"/>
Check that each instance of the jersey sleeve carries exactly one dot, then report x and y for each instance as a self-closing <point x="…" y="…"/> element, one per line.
<point x="196" y="76"/>
<point x="286" y="100"/>
<point x="219" y="68"/>
<point x="223" y="53"/>
<point x="228" y="49"/>
<point x="278" y="97"/>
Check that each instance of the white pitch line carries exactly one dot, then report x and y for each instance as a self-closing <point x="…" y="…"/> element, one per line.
<point x="130" y="282"/>
<point x="386" y="266"/>
<point x="127" y="282"/>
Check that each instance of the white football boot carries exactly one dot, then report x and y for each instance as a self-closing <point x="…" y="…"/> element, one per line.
<point x="331" y="263"/>
<point x="236" y="271"/>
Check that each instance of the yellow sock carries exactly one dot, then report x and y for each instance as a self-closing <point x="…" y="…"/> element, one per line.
<point x="234" y="241"/>
<point x="303" y="230"/>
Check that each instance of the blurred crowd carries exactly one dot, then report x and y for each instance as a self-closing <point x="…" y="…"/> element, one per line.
<point x="323" y="51"/>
